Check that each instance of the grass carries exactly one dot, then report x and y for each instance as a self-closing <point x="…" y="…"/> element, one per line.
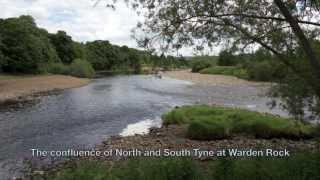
<point x="13" y="76"/>
<point x="297" y="167"/>
<point x="198" y="63"/>
<point x="208" y="123"/>
<point x="226" y="70"/>
<point x="134" y="169"/>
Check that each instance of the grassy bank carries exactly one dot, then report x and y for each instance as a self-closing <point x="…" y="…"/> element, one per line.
<point x="208" y="123"/>
<point x="299" y="167"/>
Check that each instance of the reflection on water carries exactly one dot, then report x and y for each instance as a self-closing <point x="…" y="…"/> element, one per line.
<point x="83" y="117"/>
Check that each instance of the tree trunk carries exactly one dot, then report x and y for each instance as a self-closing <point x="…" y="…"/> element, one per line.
<point x="304" y="42"/>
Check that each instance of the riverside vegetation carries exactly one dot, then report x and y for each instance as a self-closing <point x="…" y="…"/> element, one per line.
<point x="302" y="167"/>
<point x="264" y="66"/>
<point x="28" y="49"/>
<point x="291" y="58"/>
<point x="211" y="123"/>
<point x="258" y="66"/>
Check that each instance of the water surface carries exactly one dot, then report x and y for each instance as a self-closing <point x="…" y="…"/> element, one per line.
<point x="83" y="117"/>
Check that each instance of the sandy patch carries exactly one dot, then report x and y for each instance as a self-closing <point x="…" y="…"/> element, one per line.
<point x="15" y="88"/>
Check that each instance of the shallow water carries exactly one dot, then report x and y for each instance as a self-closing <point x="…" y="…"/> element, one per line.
<point x="84" y="117"/>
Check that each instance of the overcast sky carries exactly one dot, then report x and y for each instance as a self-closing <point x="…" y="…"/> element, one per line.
<point x="79" y="18"/>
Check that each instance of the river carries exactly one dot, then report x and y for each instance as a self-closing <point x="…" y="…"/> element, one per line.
<point x="83" y="117"/>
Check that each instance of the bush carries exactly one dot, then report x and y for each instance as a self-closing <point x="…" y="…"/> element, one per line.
<point x="265" y="70"/>
<point x="260" y="71"/>
<point x="226" y="58"/>
<point x="226" y="70"/>
<point x="78" y="68"/>
<point x="207" y="123"/>
<point x="81" y="68"/>
<point x="58" y="68"/>
<point x="199" y="65"/>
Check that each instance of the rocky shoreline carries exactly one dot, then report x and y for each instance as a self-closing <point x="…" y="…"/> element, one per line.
<point x="173" y="138"/>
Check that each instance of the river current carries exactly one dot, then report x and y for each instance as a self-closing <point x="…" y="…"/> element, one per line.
<point x="83" y="117"/>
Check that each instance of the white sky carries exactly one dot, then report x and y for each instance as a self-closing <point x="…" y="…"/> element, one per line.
<point x="79" y="18"/>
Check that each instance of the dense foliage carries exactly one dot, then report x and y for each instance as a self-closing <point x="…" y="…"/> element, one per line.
<point x="64" y="46"/>
<point x="226" y="58"/>
<point x="26" y="48"/>
<point x="278" y="26"/>
<point x="209" y="123"/>
<point x="295" y="93"/>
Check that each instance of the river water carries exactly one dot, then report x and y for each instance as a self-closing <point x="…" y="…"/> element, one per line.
<point x="83" y="117"/>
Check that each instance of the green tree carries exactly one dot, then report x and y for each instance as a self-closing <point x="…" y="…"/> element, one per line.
<point x="2" y="58"/>
<point x="268" y="24"/>
<point x="25" y="47"/>
<point x="134" y="61"/>
<point x="131" y="58"/>
<point x="79" y="50"/>
<point x="64" y="46"/>
<point x="102" y="55"/>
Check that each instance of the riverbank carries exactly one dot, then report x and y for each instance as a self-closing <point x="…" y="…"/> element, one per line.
<point x="171" y="141"/>
<point x="22" y="88"/>
<point x="172" y="137"/>
<point x="212" y="80"/>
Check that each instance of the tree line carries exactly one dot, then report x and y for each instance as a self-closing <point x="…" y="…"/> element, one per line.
<point x="26" y="48"/>
<point x="278" y="26"/>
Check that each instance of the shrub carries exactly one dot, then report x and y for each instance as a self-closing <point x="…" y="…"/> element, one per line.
<point x="81" y="68"/>
<point x="207" y="123"/>
<point x="260" y="71"/>
<point x="199" y="65"/>
<point x="265" y="71"/>
<point x="78" y="68"/>
<point x="226" y="58"/>
<point x="58" y="68"/>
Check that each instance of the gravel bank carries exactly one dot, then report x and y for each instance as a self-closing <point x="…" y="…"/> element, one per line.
<point x="212" y="80"/>
<point x="173" y="138"/>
